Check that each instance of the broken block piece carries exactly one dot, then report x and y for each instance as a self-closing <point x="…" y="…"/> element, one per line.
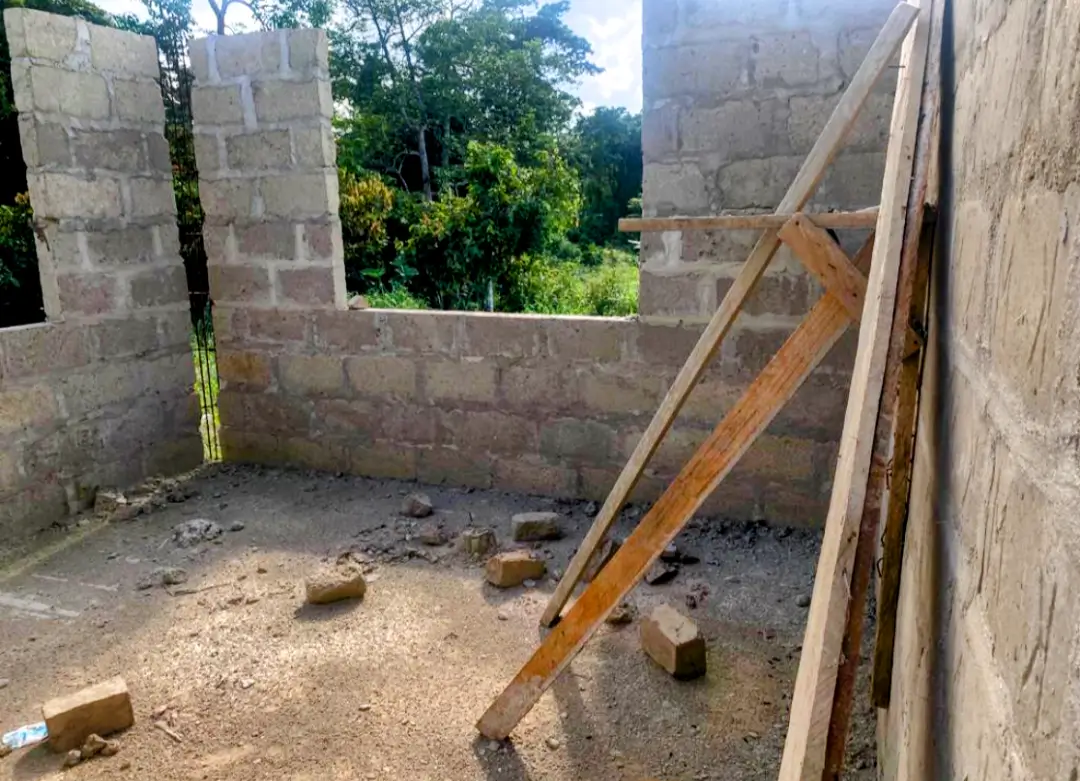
<point x="673" y="641"/>
<point x="536" y="527"/>
<point x="100" y="709"/>
<point x="478" y="542"/>
<point x="513" y="568"/>
<point x="333" y="584"/>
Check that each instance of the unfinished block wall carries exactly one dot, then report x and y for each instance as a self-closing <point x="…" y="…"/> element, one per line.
<point x="100" y="395"/>
<point x="735" y="94"/>
<point x="987" y="678"/>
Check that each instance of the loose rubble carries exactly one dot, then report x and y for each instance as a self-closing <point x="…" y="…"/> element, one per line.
<point x="195" y="532"/>
<point x="536" y="527"/>
<point x="417" y="506"/>
<point x="624" y="613"/>
<point x="478" y="542"/>
<point x="162" y="576"/>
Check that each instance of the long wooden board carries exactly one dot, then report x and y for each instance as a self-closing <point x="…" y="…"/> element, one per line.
<point x="863" y="218"/>
<point x="813" y="169"/>
<point x="765" y="397"/>
<point x="815" y="684"/>
<point x="824" y="258"/>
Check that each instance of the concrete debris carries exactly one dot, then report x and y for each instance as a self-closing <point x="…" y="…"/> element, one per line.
<point x="529" y="583"/>
<point x="92" y="746"/>
<point x="601" y="556"/>
<point x="108" y="501"/>
<point x="536" y="527"/>
<point x="661" y="573"/>
<point x="417" y="506"/>
<point x="673" y="554"/>
<point x="335" y="583"/>
<point x="162" y="576"/>
<point x="553" y="743"/>
<point x="5" y="749"/>
<point x="803" y="600"/>
<point x="195" y="532"/>
<point x="513" y="568"/>
<point x="478" y="542"/>
<point x="100" y="709"/>
<point x="591" y="509"/>
<point x="73" y="758"/>
<point x="358" y="302"/>
<point x="431" y="534"/>
<point x="4" y="683"/>
<point x="673" y="641"/>
<point x="236" y="526"/>
<point x="624" y="613"/>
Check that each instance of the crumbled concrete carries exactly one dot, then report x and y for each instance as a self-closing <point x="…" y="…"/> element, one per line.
<point x="417" y="506"/>
<point x="195" y="532"/>
<point x="673" y="641"/>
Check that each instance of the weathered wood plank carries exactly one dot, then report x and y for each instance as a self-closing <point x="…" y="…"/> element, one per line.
<point x="824" y="258"/>
<point x="863" y="218"/>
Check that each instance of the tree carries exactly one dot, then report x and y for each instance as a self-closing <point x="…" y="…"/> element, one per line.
<point x="606" y="150"/>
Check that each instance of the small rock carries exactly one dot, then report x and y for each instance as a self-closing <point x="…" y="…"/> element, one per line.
<point x="624" y="613"/>
<point x="529" y="583"/>
<point x="591" y="509"/>
<point x="92" y="746"/>
<point x="162" y="576"/>
<point x="195" y="532"/>
<point x="671" y="554"/>
<point x="494" y="745"/>
<point x="478" y="542"/>
<point x="691" y="601"/>
<point x="333" y="584"/>
<point x="513" y="568"/>
<point x="536" y="527"/>
<point x="416" y="506"/>
<point x="236" y="526"/>
<point x="803" y="600"/>
<point x="125" y="765"/>
<point x="158" y="712"/>
<point x="431" y="534"/>
<point x="733" y="579"/>
<point x="601" y="556"/>
<point x="502" y="616"/>
<point x="261" y="570"/>
<point x="73" y="758"/>
<point x="661" y="573"/>
<point x="5" y="749"/>
<point x="553" y="743"/>
<point x="4" y="683"/>
<point x="246" y="683"/>
<point x="358" y="302"/>
<point x="365" y="707"/>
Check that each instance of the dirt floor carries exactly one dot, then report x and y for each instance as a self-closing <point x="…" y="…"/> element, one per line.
<point x="258" y="686"/>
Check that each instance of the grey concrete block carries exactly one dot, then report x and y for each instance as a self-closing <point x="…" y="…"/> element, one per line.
<point x="259" y="151"/>
<point x="119" y="50"/>
<point x="217" y="105"/>
<point x="301" y="195"/>
<point x="39" y="35"/>
<point x="277" y="101"/>
<point x="116" y="150"/>
<point x="252" y="54"/>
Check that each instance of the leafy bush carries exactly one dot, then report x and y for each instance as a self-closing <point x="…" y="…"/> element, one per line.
<point x="398" y="298"/>
<point x="20" y="284"/>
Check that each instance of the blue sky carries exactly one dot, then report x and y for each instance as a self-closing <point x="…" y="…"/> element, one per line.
<point x="612" y="26"/>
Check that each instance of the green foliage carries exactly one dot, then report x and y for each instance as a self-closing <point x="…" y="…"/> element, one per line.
<point x="397" y="298"/>
<point x="20" y="285"/>
<point x="606" y="150"/>
<point x="609" y="289"/>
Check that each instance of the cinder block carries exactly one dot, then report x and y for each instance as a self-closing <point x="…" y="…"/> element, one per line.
<point x="126" y="247"/>
<point x="159" y="287"/>
<point x="131" y="336"/>
<point x="152" y="197"/>
<point x="39" y="35"/>
<point x="314" y="146"/>
<point x="384" y="459"/>
<point x="673" y="641"/>
<point x="546" y="386"/>
<point x="665" y="345"/>
<point x="460" y="381"/>
<point x="506" y="570"/>
<point x="676" y="295"/>
<point x="275" y="240"/>
<point x="226" y="199"/>
<point x="355" y="419"/>
<point x="308" y="52"/>
<point x="453" y="466"/>
<point x="384" y="376"/>
<point x="488" y="431"/>
<point x="138" y="100"/>
<point x="423" y="332"/>
<point x="312" y="375"/>
<point x="777" y="294"/>
<point x="101" y="709"/>
<point x="788" y="59"/>
<point x="278" y="101"/>
<point x="488" y="335"/>
<point x="278" y="326"/>
<point x="44" y="144"/>
<point x="199" y="59"/>
<point x="273" y="413"/>
<point x="322" y="240"/>
<point x="743" y="184"/>
<point x="251" y="54"/>
<point x="309" y="287"/>
<point x="246" y="371"/>
<point x="33" y="350"/>
<point x="631" y="393"/>
<point x="712" y="71"/>
<point x="536" y="527"/>
<point x="217" y="105"/>
<point x="592" y="339"/>
<point x="346" y="331"/>
<point x="22" y="408"/>
<point x="87" y="295"/>
<point x="530" y="475"/>
<point x="407" y="423"/>
<point x="678" y="188"/>
<point x="586" y="441"/>
<point x="126" y="52"/>
<point x="269" y="149"/>
<point x="209" y="155"/>
<point x="322" y="453"/>
<point x="240" y="284"/>
<point x="117" y="150"/>
<point x="60" y="196"/>
<point x="301" y="196"/>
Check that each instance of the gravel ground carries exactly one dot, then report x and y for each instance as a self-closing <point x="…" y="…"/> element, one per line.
<point x="257" y="686"/>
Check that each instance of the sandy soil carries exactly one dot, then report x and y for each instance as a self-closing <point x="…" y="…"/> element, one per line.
<point x="258" y="686"/>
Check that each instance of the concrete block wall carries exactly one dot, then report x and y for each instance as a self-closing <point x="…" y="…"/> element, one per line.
<point x="735" y="95"/>
<point x="101" y="394"/>
<point x="987" y="681"/>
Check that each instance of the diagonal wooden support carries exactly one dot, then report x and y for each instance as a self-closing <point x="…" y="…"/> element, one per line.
<point x="824" y="258"/>
<point x="761" y="402"/>
<point x="813" y="169"/>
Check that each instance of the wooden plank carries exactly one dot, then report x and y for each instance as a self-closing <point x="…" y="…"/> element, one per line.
<point x="815" y="684"/>
<point x="765" y="397"/>
<point x="813" y="169"/>
<point x="824" y="258"/>
<point x="863" y="218"/>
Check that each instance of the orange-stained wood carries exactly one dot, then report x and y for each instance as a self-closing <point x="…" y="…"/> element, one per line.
<point x="824" y="258"/>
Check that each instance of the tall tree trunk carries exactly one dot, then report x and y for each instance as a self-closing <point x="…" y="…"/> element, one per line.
<point x="446" y="143"/>
<point x="425" y="166"/>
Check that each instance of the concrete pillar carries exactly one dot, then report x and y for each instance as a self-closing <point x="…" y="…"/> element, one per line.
<point x="267" y="176"/>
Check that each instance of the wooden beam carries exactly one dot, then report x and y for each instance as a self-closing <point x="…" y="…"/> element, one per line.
<point x="813" y="169"/>
<point x="815" y="684"/>
<point x="864" y="218"/>
<point x="824" y="258"/>
<point x="761" y="402"/>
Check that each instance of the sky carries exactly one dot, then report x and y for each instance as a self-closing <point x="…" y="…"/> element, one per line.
<point x="613" y="27"/>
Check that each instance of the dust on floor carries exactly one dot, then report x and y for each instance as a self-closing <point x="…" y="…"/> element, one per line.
<point x="258" y="686"/>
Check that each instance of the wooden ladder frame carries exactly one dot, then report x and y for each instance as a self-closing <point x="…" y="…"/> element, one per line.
<point x="850" y="297"/>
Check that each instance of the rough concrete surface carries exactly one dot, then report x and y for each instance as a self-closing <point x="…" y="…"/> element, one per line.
<point x="259" y="686"/>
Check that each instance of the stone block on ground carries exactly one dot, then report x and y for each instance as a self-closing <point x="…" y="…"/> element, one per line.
<point x="101" y="709"/>
<point x="536" y="527"/>
<point x="673" y="641"/>
<point x="478" y="542"/>
<point x="601" y="556"/>
<point x="417" y="506"/>
<point x="513" y="568"/>
<point x="343" y="580"/>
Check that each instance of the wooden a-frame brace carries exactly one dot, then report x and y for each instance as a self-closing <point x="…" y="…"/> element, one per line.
<point x="762" y="401"/>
